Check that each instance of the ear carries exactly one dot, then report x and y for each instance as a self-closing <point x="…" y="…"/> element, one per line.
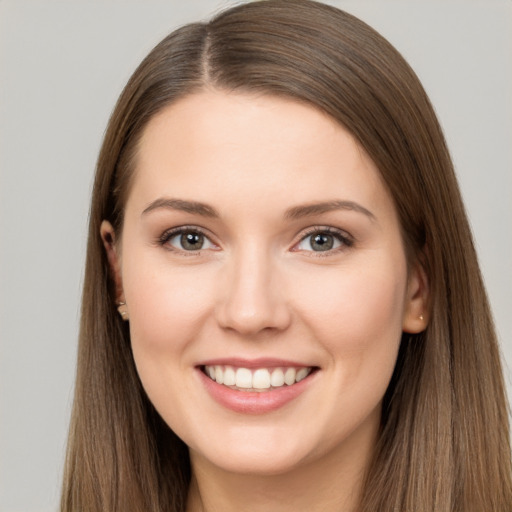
<point x="416" y="307"/>
<point x="109" y="242"/>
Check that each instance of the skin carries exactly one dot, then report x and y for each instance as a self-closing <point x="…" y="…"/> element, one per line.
<point x="258" y="289"/>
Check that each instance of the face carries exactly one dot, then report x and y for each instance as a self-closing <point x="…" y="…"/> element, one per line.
<point x="265" y="282"/>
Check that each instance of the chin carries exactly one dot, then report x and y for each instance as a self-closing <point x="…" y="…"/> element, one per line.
<point x="255" y="464"/>
<point x="258" y="453"/>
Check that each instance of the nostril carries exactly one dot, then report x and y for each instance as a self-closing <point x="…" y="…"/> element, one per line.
<point x="250" y="317"/>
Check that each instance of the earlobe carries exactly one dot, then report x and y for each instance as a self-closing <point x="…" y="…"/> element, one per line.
<point x="416" y="309"/>
<point x="109" y="242"/>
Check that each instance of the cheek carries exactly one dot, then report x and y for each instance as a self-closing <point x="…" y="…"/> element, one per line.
<point x="167" y="308"/>
<point x="354" y="301"/>
<point x="357" y="317"/>
<point x="165" y="303"/>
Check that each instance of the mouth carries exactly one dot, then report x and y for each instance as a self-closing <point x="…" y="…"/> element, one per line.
<point x="256" y="386"/>
<point x="260" y="379"/>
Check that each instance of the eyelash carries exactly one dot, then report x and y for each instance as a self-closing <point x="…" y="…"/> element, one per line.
<point x="344" y="238"/>
<point x="168" y="235"/>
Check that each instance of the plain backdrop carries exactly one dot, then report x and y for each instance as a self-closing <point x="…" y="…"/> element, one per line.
<point x="62" y="66"/>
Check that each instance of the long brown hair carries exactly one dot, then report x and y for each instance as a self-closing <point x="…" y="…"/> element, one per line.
<point x="444" y="443"/>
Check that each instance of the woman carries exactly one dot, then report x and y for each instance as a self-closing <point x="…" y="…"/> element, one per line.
<point x="282" y="305"/>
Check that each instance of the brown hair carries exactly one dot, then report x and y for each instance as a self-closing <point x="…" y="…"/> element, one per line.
<point x="444" y="443"/>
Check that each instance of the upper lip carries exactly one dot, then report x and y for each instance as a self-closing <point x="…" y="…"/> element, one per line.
<point x="261" y="362"/>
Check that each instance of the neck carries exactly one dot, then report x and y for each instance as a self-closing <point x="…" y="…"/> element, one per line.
<point x="331" y="483"/>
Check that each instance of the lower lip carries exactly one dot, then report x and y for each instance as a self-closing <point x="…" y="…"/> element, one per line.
<point x="254" y="402"/>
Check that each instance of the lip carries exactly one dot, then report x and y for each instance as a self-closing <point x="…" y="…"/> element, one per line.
<point x="262" y="362"/>
<point x="254" y="402"/>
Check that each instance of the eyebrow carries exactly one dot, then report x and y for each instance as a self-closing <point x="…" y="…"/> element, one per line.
<point x="194" y="207"/>
<point x="298" y="212"/>
<point x="294" y="213"/>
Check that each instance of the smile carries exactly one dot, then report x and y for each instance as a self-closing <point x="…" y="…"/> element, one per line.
<point x="256" y="386"/>
<point x="257" y="379"/>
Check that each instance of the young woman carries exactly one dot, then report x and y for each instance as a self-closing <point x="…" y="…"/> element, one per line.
<point x="282" y="305"/>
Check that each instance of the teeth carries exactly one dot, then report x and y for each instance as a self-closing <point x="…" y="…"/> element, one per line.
<point x="243" y="378"/>
<point x="289" y="376"/>
<point x="259" y="379"/>
<point x="277" y="378"/>
<point x="301" y="374"/>
<point x="219" y="375"/>
<point x="229" y="376"/>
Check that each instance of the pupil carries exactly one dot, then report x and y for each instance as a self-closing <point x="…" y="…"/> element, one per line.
<point x="322" y="242"/>
<point x="192" y="241"/>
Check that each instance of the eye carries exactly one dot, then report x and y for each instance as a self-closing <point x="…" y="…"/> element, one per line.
<point x="323" y="240"/>
<point x="186" y="239"/>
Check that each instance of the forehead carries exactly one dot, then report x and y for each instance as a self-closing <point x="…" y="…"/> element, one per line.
<point x="227" y="145"/>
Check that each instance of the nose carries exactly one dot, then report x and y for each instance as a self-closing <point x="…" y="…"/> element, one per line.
<point x="253" y="299"/>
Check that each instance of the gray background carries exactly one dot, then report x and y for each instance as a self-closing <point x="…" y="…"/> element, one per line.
<point x="62" y="66"/>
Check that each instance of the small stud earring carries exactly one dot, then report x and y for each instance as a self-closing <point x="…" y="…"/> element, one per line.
<point x="121" y="310"/>
<point x="421" y="317"/>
